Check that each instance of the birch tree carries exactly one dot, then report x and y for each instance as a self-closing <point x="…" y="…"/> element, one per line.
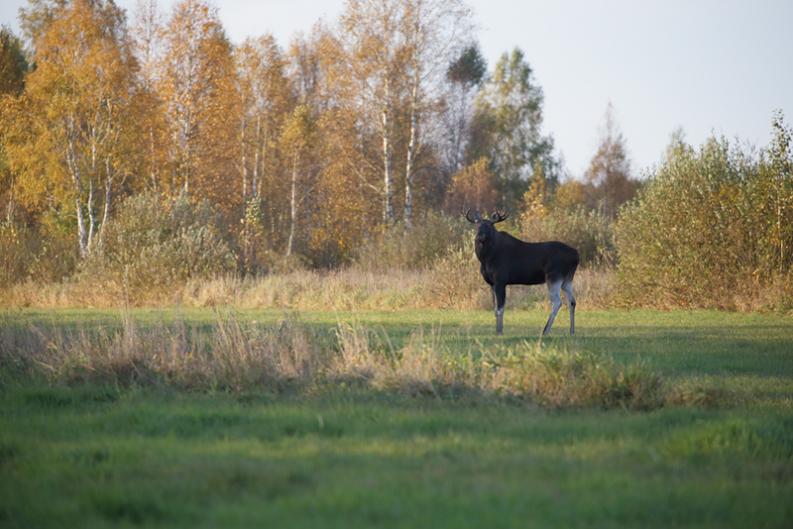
<point x="398" y="52"/>
<point x="35" y="18"/>
<point x="196" y="82"/>
<point x="433" y="33"/>
<point x="13" y="68"/>
<point x="147" y="44"/>
<point x="464" y="75"/>
<point x="297" y="139"/>
<point x="81" y="105"/>
<point x="266" y="100"/>
<point x="347" y="164"/>
<point x="374" y="49"/>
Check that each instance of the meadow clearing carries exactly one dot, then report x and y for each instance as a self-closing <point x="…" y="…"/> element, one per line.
<point x="298" y="211"/>
<point x="118" y="438"/>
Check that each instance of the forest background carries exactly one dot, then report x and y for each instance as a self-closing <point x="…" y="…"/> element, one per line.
<point x="144" y="159"/>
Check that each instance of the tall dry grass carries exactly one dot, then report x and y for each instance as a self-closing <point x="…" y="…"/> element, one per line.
<point x="453" y="283"/>
<point x="231" y="355"/>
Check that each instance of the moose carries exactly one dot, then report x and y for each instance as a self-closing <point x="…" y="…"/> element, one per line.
<point x="505" y="260"/>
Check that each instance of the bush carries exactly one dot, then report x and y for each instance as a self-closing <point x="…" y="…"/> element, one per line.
<point x="455" y="281"/>
<point x="43" y="253"/>
<point x="18" y="249"/>
<point x="589" y="231"/>
<point x="154" y="243"/>
<point x="710" y="230"/>
<point x="415" y="249"/>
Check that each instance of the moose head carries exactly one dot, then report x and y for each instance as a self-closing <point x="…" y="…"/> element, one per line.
<point x="486" y="231"/>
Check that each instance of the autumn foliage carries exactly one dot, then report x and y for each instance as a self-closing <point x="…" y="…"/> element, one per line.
<point x="147" y="149"/>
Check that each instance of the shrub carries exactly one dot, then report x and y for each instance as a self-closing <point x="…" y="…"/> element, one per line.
<point x="154" y="242"/>
<point x="42" y="253"/>
<point x="414" y="249"/>
<point x="455" y="281"/>
<point x="709" y="230"/>
<point x="18" y="249"/>
<point x="589" y="231"/>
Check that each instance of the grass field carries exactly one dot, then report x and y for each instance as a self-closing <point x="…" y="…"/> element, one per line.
<point x="104" y="455"/>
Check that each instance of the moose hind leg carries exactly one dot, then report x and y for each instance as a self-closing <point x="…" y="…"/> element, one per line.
<point x="500" y="293"/>
<point x="567" y="287"/>
<point x="554" y="290"/>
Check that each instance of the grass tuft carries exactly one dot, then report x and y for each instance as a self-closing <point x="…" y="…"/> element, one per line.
<point x="561" y="378"/>
<point x="232" y="355"/>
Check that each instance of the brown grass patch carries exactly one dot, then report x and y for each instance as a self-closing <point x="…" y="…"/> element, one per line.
<point x="453" y="283"/>
<point x="231" y="355"/>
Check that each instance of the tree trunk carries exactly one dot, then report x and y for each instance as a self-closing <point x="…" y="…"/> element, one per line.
<point x="186" y="188"/>
<point x="244" y="163"/>
<point x="256" y="157"/>
<point x="91" y="218"/>
<point x="408" y="216"/>
<point x="292" y="207"/>
<point x="460" y="130"/>
<point x="108" y="197"/>
<point x="388" y="213"/>
<point x="71" y="163"/>
<point x="90" y="205"/>
<point x="81" y="234"/>
<point x="152" y="161"/>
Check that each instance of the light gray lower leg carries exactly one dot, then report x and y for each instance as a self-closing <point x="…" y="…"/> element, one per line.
<point x="500" y="292"/>
<point x="556" y="303"/>
<point x="567" y="287"/>
<point x="499" y="313"/>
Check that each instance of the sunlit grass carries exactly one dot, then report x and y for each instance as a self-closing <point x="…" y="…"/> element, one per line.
<point x="94" y="455"/>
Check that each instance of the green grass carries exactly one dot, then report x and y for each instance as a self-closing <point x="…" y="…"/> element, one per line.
<point x="103" y="456"/>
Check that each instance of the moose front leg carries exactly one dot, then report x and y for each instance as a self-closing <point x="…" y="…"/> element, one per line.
<point x="500" y="298"/>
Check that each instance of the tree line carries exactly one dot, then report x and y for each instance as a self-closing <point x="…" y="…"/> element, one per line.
<point x="306" y="149"/>
<point x="148" y="149"/>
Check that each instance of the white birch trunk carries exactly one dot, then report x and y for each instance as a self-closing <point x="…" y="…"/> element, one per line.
<point x="81" y="233"/>
<point x="292" y="207"/>
<point x="71" y="163"/>
<point x="388" y="213"/>
<point x="91" y="217"/>
<point x="408" y="216"/>
<point x="244" y="163"/>
<point x="90" y="204"/>
<point x="108" y="197"/>
<point x="256" y="157"/>
<point x="188" y="157"/>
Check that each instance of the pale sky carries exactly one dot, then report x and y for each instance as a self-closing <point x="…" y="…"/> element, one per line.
<point x="707" y="66"/>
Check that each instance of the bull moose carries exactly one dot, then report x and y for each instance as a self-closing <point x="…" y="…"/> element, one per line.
<point x="505" y="260"/>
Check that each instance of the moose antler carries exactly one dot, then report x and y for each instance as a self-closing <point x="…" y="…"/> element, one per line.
<point x="476" y="218"/>
<point x="498" y="216"/>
